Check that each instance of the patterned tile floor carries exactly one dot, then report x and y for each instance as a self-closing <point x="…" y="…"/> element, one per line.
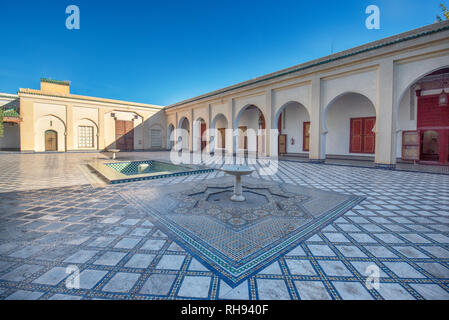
<point x="52" y="220"/>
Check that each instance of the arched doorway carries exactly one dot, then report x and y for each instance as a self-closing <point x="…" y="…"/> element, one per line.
<point x="199" y="137"/>
<point x="51" y="140"/>
<point x="170" y="137"/>
<point x="423" y="121"/>
<point x="251" y="131"/>
<point x="184" y="134"/>
<point x="350" y="121"/>
<point x="293" y="124"/>
<point x="218" y="132"/>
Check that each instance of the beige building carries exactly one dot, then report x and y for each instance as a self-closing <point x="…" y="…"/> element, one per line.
<point x="385" y="102"/>
<point x="53" y="119"/>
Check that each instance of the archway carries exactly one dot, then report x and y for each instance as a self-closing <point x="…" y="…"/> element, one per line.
<point x="250" y="137"/>
<point x="170" y="136"/>
<point x="49" y="123"/>
<point x="293" y="124"/>
<point x="86" y="134"/>
<point x="422" y="121"/>
<point x="349" y="126"/>
<point x="199" y="135"/>
<point x="219" y="140"/>
<point x="184" y="134"/>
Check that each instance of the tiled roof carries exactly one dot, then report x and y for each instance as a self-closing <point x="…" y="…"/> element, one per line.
<point x="66" y="83"/>
<point x="11" y="113"/>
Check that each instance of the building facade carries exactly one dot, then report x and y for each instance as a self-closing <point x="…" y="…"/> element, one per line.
<point x="52" y="119"/>
<point x="382" y="102"/>
<point x="379" y="102"/>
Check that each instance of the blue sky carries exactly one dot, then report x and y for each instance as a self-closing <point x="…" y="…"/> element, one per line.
<point x="162" y="52"/>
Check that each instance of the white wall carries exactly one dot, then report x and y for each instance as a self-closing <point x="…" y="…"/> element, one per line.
<point x="338" y="121"/>
<point x="249" y="119"/>
<point x="220" y="123"/>
<point x="294" y="118"/>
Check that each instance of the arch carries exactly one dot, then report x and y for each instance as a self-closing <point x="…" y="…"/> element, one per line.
<point x="285" y="106"/>
<point x="407" y="89"/>
<point x="46" y="123"/>
<point x="76" y="136"/>
<point x="181" y="121"/>
<point x="183" y="135"/>
<point x="219" y="139"/>
<point x="349" y="126"/>
<point x="295" y="132"/>
<point x="336" y="98"/>
<point x="245" y="108"/>
<point x="250" y="137"/>
<point x="409" y="116"/>
<point x="217" y="116"/>
<point x="199" y="135"/>
<point x="170" y="136"/>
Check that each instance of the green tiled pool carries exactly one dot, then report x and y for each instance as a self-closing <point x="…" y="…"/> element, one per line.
<point x="129" y="171"/>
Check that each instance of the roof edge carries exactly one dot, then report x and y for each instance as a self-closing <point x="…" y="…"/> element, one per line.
<point x="87" y="98"/>
<point x="401" y="37"/>
<point x="65" y="82"/>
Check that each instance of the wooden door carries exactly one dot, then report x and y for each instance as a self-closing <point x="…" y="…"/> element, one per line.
<point x="362" y="137"/>
<point x="306" y="137"/>
<point x="51" y="140"/>
<point x="369" y="137"/>
<point x="282" y="144"/>
<point x="124" y="135"/>
<point x="355" y="145"/>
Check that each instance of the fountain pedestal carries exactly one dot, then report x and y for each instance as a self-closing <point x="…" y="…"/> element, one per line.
<point x="237" y="172"/>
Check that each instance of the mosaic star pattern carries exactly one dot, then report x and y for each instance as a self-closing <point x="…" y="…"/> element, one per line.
<point x="237" y="239"/>
<point x="402" y="227"/>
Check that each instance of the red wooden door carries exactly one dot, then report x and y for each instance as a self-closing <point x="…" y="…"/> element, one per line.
<point x="369" y="137"/>
<point x="432" y="117"/>
<point x="124" y="135"/>
<point x="355" y="145"/>
<point x="362" y="137"/>
<point x="306" y="136"/>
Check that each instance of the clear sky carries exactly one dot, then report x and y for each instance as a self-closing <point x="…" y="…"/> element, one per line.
<point x="162" y="52"/>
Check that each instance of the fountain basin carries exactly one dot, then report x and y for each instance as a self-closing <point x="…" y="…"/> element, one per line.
<point x="237" y="171"/>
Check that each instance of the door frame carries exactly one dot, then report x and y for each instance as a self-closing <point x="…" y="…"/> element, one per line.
<point x="362" y="135"/>
<point x="45" y="140"/>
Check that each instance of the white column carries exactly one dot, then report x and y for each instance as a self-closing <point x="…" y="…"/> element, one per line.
<point x="385" y="122"/>
<point x="268" y="122"/>
<point x="317" y="134"/>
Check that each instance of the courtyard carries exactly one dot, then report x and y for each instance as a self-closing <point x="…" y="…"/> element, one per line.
<point x="56" y="216"/>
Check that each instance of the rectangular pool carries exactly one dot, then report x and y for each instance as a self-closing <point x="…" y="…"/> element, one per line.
<point x="128" y="171"/>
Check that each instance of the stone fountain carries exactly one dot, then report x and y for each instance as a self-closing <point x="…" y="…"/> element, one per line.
<point x="237" y="171"/>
